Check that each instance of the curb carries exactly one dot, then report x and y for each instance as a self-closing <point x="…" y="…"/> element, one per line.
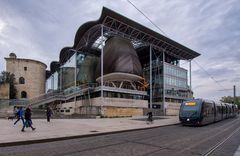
<point x="27" y="142"/>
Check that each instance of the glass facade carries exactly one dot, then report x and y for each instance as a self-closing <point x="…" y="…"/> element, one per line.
<point x="67" y="72"/>
<point x="86" y="67"/>
<point x="175" y="79"/>
<point x="157" y="81"/>
<point x="53" y="82"/>
<point x="175" y="76"/>
<point x="79" y="69"/>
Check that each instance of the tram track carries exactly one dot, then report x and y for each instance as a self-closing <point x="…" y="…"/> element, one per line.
<point x="195" y="144"/>
<point x="189" y="138"/>
<point x="190" y="144"/>
<point x="219" y="144"/>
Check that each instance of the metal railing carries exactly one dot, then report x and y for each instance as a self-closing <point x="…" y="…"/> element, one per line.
<point x="72" y="92"/>
<point x="62" y="95"/>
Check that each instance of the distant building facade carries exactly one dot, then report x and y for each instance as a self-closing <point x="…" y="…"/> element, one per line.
<point x="29" y="74"/>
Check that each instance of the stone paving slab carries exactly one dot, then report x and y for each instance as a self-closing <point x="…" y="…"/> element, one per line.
<point x="70" y="128"/>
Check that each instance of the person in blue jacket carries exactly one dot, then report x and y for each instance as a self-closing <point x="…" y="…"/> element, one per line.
<point x="19" y="114"/>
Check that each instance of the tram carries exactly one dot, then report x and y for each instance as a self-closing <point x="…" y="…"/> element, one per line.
<point x="202" y="112"/>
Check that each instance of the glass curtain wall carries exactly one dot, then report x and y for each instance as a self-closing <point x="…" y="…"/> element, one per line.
<point x="175" y="82"/>
<point x="86" y="68"/>
<point x="78" y="70"/>
<point x="157" y="81"/>
<point x="52" y="82"/>
<point x="68" y="73"/>
<point x="49" y="84"/>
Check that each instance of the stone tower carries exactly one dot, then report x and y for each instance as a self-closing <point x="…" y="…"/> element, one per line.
<point x="29" y="74"/>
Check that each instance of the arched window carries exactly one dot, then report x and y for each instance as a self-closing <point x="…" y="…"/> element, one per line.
<point x="21" y="80"/>
<point x="23" y="94"/>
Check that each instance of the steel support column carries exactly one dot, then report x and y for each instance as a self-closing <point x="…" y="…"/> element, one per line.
<point x="61" y="79"/>
<point x="163" y="100"/>
<point x="150" y="76"/>
<point x="190" y="74"/>
<point x="75" y="72"/>
<point x="75" y="98"/>
<point x="102" y="62"/>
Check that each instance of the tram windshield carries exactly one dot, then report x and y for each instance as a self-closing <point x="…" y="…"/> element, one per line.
<point x="190" y="106"/>
<point x="189" y="109"/>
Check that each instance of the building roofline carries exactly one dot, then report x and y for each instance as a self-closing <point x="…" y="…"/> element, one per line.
<point x="91" y="31"/>
<point x="24" y="59"/>
<point x="109" y="13"/>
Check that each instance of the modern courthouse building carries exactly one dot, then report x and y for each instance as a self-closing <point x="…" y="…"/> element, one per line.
<point x="117" y="67"/>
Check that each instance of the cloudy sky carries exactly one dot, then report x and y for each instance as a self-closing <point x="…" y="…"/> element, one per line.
<point x="40" y="29"/>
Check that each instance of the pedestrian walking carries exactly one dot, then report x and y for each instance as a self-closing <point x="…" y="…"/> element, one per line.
<point x="19" y="115"/>
<point x="49" y="113"/>
<point x="28" y="119"/>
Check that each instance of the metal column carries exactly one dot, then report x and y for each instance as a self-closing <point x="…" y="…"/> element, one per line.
<point x="150" y="77"/>
<point x="190" y="75"/>
<point x="234" y="94"/>
<point x="75" y="98"/>
<point x="163" y="100"/>
<point x="61" y="77"/>
<point x="102" y="62"/>
<point x="52" y="81"/>
<point x="75" y="69"/>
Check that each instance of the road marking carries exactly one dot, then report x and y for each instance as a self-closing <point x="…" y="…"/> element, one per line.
<point x="237" y="152"/>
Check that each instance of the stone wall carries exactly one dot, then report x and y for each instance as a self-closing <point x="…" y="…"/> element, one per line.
<point x="172" y="108"/>
<point x="122" y="112"/>
<point x="108" y="107"/>
<point x="120" y="102"/>
<point x="34" y="75"/>
<point x="4" y="91"/>
<point x="115" y="107"/>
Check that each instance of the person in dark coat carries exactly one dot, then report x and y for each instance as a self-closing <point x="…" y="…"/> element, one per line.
<point x="28" y="119"/>
<point x="49" y="113"/>
<point x="150" y="116"/>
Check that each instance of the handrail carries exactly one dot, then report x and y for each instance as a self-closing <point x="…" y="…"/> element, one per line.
<point x="73" y="91"/>
<point x="62" y="94"/>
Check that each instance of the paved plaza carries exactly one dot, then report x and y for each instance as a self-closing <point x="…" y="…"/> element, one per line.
<point x="59" y="129"/>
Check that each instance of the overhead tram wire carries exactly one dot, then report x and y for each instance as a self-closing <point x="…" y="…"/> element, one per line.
<point x="146" y="17"/>
<point x="209" y="75"/>
<point x="167" y="36"/>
